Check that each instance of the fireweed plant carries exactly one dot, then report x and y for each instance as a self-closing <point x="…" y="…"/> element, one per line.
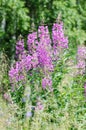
<point x="34" y="68"/>
<point x="47" y="90"/>
<point x="40" y="53"/>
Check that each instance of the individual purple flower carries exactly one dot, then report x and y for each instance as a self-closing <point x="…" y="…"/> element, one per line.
<point x="19" y="71"/>
<point x="6" y="96"/>
<point x="15" y="73"/>
<point x="81" y="52"/>
<point x="81" y="64"/>
<point x="28" y="114"/>
<point x="46" y="82"/>
<point x="39" y="106"/>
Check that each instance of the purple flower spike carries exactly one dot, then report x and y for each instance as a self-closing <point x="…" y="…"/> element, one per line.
<point x="31" y="42"/>
<point x="59" y="40"/>
<point x="43" y="34"/>
<point x="44" y="57"/>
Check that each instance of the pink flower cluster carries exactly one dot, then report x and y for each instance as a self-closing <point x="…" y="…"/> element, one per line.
<point x="59" y="40"/>
<point x="82" y="52"/>
<point x="81" y="57"/>
<point x="43" y="35"/>
<point x="31" y="42"/>
<point x="47" y="82"/>
<point x="44" y="52"/>
<point x="44" y="57"/>
<point x="17" y="73"/>
<point x="40" y="53"/>
<point x="39" y="106"/>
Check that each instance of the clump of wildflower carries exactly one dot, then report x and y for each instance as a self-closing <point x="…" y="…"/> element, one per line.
<point x="59" y="40"/>
<point x="40" y="53"/>
<point x="14" y="73"/>
<point x="81" y="52"/>
<point x="44" y="50"/>
<point x="18" y="72"/>
<point x="81" y="64"/>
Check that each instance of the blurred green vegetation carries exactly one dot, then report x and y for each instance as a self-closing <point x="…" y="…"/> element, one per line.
<point x="22" y="16"/>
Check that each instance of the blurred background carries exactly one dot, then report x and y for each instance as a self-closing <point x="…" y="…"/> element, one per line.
<point x="23" y="16"/>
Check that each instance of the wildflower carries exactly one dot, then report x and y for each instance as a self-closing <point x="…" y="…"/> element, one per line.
<point x="31" y="42"/>
<point x="28" y="114"/>
<point x="44" y="57"/>
<point x="59" y="40"/>
<point x="81" y="64"/>
<point x="34" y="60"/>
<point x="39" y="106"/>
<point x="6" y="96"/>
<point x="46" y="82"/>
<point x="15" y="73"/>
<point x="25" y="63"/>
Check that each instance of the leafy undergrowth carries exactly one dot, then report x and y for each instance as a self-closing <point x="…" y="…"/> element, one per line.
<point x="64" y="111"/>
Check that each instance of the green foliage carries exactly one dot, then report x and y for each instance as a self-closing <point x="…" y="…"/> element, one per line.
<point x="13" y="21"/>
<point x="4" y="80"/>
